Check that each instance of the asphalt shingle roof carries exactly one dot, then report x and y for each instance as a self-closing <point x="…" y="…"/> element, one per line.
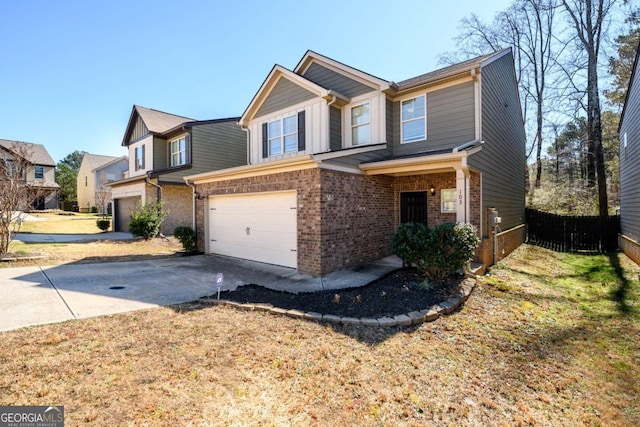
<point x="159" y="121"/>
<point x="34" y="153"/>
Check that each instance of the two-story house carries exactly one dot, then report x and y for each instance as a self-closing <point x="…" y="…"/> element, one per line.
<point x="39" y="174"/>
<point x="629" y="135"/>
<point x="338" y="158"/>
<point x="163" y="148"/>
<point x="95" y="172"/>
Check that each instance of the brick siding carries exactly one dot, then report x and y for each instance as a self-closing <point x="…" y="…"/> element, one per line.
<point x="178" y="200"/>
<point x="630" y="247"/>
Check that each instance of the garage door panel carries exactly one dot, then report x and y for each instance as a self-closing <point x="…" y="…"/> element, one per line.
<point x="261" y="227"/>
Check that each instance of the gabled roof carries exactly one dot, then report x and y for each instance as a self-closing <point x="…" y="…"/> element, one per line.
<point x="278" y="72"/>
<point x="35" y="154"/>
<point x="156" y="121"/>
<point x="96" y="160"/>
<point x="450" y="71"/>
<point x="112" y="162"/>
<point x="310" y="57"/>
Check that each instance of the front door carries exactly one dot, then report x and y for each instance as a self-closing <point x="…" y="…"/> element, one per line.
<point x="413" y="207"/>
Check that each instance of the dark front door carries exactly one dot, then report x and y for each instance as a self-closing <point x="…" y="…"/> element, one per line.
<point x="413" y="207"/>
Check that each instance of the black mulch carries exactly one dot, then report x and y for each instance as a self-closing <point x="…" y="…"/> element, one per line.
<point x="397" y="293"/>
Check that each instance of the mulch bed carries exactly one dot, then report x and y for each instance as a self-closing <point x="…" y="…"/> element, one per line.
<point x="397" y="293"/>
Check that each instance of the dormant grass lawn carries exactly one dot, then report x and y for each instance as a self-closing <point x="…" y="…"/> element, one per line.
<point x="548" y="339"/>
<point x="53" y="223"/>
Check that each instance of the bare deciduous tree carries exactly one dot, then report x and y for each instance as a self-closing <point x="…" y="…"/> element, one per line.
<point x="16" y="195"/>
<point x="589" y="19"/>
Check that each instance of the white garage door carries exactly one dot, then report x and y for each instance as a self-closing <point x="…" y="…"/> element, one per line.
<point x="260" y="227"/>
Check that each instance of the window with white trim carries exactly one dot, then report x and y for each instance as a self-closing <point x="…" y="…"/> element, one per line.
<point x="178" y="151"/>
<point x="283" y="135"/>
<point x="139" y="157"/>
<point x="414" y="119"/>
<point x="448" y="200"/>
<point x="361" y="124"/>
<point x="39" y="172"/>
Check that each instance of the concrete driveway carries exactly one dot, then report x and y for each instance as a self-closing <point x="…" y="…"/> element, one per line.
<point x="40" y="295"/>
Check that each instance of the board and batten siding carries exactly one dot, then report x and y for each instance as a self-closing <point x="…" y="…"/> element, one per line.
<point x="502" y="160"/>
<point x="316" y="130"/>
<point x="340" y="83"/>
<point x="450" y="120"/>
<point x="139" y="130"/>
<point x="284" y="94"/>
<point x="214" y="146"/>
<point x="630" y="160"/>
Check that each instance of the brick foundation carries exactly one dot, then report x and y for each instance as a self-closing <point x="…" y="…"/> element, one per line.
<point x="630" y="247"/>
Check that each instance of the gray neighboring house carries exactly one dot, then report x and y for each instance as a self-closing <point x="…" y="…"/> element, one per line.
<point x="163" y="148"/>
<point x="629" y="134"/>
<point x="40" y="174"/>
<point x="338" y="158"/>
<point x="95" y="172"/>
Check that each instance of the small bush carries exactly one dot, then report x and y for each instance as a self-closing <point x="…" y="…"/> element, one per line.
<point x="438" y="252"/>
<point x="146" y="220"/>
<point x="94" y="209"/>
<point x="103" y="223"/>
<point x="186" y="236"/>
<point x="408" y="243"/>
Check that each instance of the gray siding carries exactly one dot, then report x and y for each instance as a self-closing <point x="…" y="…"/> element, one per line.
<point x="160" y="154"/>
<point x="284" y="94"/>
<point x="329" y="79"/>
<point x="115" y="169"/>
<point x="502" y="159"/>
<point x="214" y="146"/>
<point x="629" y="162"/>
<point x="335" y="128"/>
<point x="139" y="130"/>
<point x="450" y="120"/>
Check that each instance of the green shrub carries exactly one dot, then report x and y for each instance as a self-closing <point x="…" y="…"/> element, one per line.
<point x="146" y="220"/>
<point x="94" y="209"/>
<point x="103" y="223"/>
<point x="438" y="252"/>
<point x="186" y="236"/>
<point x="408" y="243"/>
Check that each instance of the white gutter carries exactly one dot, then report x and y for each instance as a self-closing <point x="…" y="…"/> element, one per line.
<point x="246" y="129"/>
<point x="467" y="145"/>
<point x="333" y="101"/>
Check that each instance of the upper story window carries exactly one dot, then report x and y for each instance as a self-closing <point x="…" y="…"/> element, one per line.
<point x="361" y="124"/>
<point x="414" y="119"/>
<point x="285" y="135"/>
<point x="178" y="151"/>
<point x="39" y="172"/>
<point x="110" y="177"/>
<point x="139" y="157"/>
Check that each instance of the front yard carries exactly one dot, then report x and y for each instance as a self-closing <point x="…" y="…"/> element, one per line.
<point x="547" y="339"/>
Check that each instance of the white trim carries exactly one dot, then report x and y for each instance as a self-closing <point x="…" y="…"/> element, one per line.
<point x="402" y="141"/>
<point x="477" y="94"/>
<point x="186" y="150"/>
<point x="413" y="92"/>
<point x="352" y="126"/>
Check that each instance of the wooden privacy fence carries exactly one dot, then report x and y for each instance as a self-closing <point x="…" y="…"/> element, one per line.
<point x="572" y="233"/>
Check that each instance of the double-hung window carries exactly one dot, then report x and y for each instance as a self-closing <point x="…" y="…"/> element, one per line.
<point x="39" y="172"/>
<point x="414" y="119"/>
<point x="361" y="124"/>
<point x="178" y="151"/>
<point x="283" y="135"/>
<point x="139" y="157"/>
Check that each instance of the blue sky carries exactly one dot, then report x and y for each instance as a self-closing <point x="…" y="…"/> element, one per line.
<point x="72" y="70"/>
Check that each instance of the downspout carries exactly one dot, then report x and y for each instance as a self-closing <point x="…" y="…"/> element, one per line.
<point x="159" y="191"/>
<point x="193" y="202"/>
<point x="467" y="190"/>
<point x="246" y="129"/>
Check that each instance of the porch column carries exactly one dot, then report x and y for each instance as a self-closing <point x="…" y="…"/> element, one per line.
<point x="462" y="195"/>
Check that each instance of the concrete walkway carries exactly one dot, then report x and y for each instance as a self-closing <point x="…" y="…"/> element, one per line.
<point x="41" y="295"/>
<point x="66" y="238"/>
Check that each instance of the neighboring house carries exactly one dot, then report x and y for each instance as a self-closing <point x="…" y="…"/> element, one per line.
<point x="163" y="148"/>
<point x="338" y="158"/>
<point x="95" y="172"/>
<point x="629" y="134"/>
<point x="40" y="172"/>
